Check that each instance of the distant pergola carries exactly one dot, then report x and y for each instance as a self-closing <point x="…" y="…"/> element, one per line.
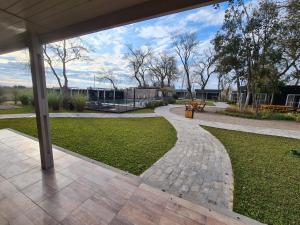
<point x="32" y="23"/>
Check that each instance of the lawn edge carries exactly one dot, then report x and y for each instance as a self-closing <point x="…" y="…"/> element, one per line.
<point x="98" y="163"/>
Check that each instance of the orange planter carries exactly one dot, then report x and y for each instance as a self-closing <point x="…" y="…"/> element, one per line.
<point x="189" y="114"/>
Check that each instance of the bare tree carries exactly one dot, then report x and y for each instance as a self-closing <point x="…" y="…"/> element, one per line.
<point x="185" y="46"/>
<point x="204" y="68"/>
<point x="109" y="76"/>
<point x="163" y="70"/>
<point x="138" y="59"/>
<point x="58" y="55"/>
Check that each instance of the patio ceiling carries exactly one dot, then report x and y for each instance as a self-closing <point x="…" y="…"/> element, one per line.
<point x="53" y="20"/>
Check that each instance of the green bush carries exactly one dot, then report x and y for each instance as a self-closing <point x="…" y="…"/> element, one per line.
<point x="156" y="103"/>
<point x="79" y="102"/>
<point x="54" y="101"/>
<point x="2" y="99"/>
<point x="24" y="99"/>
<point x="170" y="101"/>
<point x="67" y="103"/>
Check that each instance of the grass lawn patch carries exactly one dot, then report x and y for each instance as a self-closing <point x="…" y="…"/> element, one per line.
<point x="128" y="144"/>
<point x="30" y="109"/>
<point x="187" y="101"/>
<point x="266" y="176"/>
<point x="144" y="110"/>
<point x="20" y="110"/>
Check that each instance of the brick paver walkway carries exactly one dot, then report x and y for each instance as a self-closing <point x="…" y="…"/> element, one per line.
<point x="197" y="168"/>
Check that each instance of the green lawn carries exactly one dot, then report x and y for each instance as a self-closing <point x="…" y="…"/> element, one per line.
<point x="186" y="101"/>
<point x="144" y="110"/>
<point x="30" y="109"/>
<point x="128" y="144"/>
<point x="20" y="110"/>
<point x="266" y="177"/>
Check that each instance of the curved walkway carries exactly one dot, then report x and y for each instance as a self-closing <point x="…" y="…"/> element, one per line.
<point x="197" y="168"/>
<point x="82" y="115"/>
<point x="267" y="127"/>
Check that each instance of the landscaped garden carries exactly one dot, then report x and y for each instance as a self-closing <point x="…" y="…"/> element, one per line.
<point x="128" y="144"/>
<point x="188" y="101"/>
<point x="264" y="115"/>
<point x="266" y="175"/>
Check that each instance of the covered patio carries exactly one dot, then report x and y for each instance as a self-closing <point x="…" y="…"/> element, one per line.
<point x="81" y="191"/>
<point x="44" y="185"/>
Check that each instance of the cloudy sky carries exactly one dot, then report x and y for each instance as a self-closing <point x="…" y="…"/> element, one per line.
<point x="108" y="48"/>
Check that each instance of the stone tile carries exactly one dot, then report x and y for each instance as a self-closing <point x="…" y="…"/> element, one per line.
<point x="28" y="178"/>
<point x="212" y="221"/>
<point x="172" y="218"/>
<point x="18" y="168"/>
<point x="7" y="189"/>
<point x="80" y="216"/>
<point x="186" y="212"/>
<point x="39" y="191"/>
<point x="59" y="206"/>
<point x="35" y="216"/>
<point x="3" y="221"/>
<point x="77" y="191"/>
<point x="56" y="180"/>
<point x="107" y="202"/>
<point x="138" y="215"/>
<point x="14" y="206"/>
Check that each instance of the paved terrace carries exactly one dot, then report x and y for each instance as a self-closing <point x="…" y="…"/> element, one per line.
<point x="80" y="192"/>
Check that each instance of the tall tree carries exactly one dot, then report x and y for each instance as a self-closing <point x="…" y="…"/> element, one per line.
<point x="163" y="70"/>
<point x="58" y="55"/>
<point x="185" y="47"/>
<point x="204" y="68"/>
<point x="107" y="75"/>
<point x="138" y="59"/>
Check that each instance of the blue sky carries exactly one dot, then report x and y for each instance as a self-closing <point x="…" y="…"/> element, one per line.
<point x="109" y="47"/>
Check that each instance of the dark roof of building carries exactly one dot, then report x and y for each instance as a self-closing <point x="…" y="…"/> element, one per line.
<point x="207" y="91"/>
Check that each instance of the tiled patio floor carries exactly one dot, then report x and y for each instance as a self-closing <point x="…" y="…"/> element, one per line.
<point x="81" y="192"/>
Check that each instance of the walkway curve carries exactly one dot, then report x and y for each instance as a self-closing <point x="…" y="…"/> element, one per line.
<point x="197" y="168"/>
<point x="244" y="128"/>
<point x="83" y="115"/>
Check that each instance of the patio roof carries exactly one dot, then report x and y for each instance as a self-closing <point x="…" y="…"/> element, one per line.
<point x="53" y="20"/>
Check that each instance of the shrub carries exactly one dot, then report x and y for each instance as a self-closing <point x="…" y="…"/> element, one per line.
<point x="283" y="116"/>
<point x="24" y="99"/>
<point x="67" y="103"/>
<point x="31" y="100"/>
<point x="54" y="101"/>
<point x="79" y="102"/>
<point x="156" y="103"/>
<point x="2" y="99"/>
<point x="170" y="101"/>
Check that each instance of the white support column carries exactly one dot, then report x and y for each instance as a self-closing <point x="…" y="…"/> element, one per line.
<point x="40" y="100"/>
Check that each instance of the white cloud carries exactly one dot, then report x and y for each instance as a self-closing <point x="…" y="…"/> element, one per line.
<point x="206" y="17"/>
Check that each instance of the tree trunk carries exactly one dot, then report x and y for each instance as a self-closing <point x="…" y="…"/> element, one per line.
<point x="272" y="98"/>
<point x="247" y="97"/>
<point x="238" y="87"/>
